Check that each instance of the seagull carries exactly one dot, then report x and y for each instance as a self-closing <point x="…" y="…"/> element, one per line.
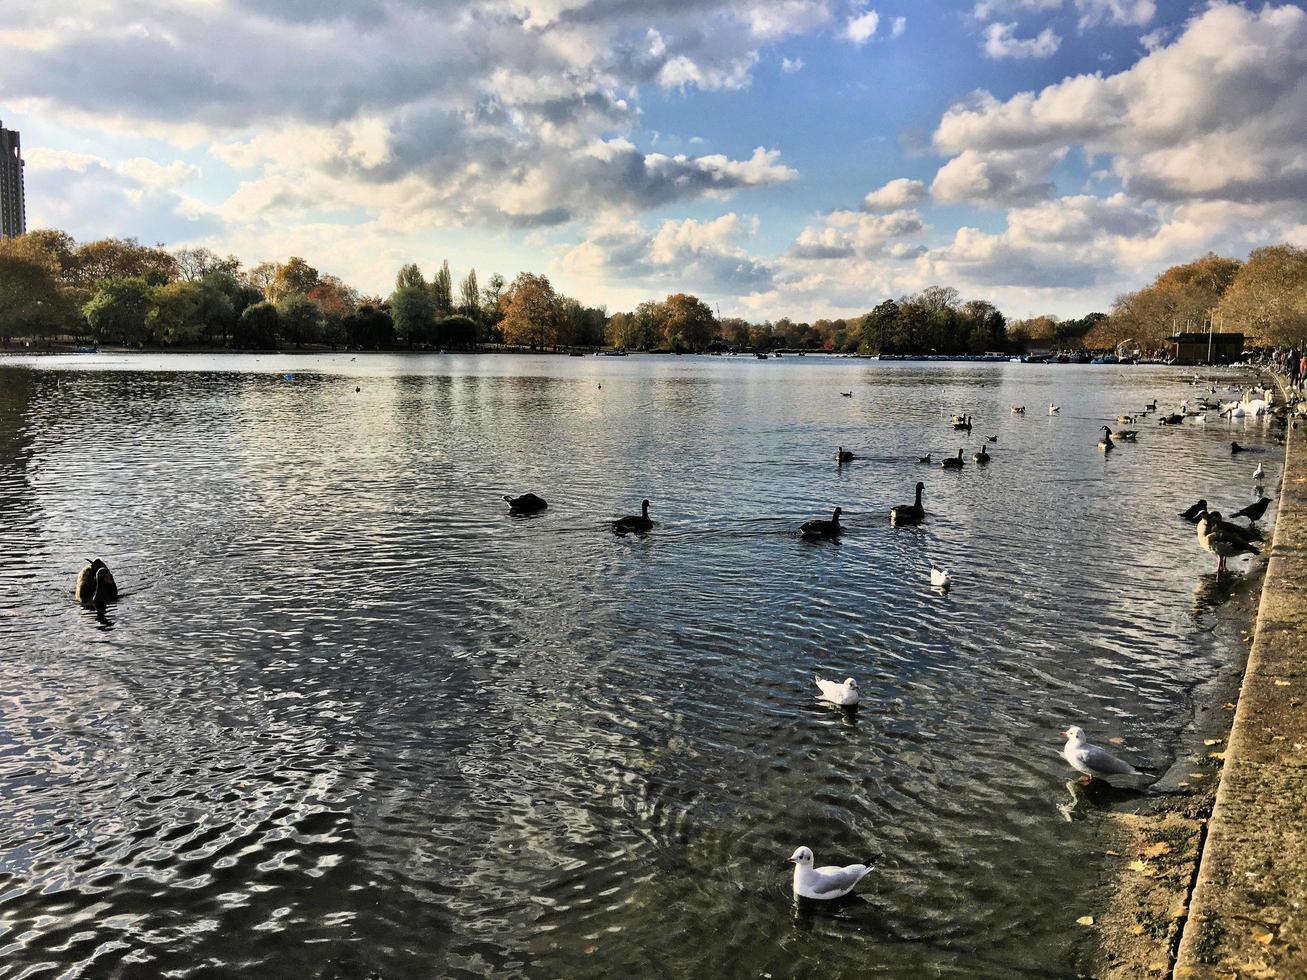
<point x="1259" y="474"/>
<point x="1255" y="511"/>
<point x="824" y="884"/>
<point x="1092" y="760"/>
<point x="939" y="577"/>
<point x="845" y="695"/>
<point x="1053" y="409"/>
<point x="1018" y="409"/>
<point x="1192" y="514"/>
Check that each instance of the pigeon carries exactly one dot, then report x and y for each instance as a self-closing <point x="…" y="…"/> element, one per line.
<point x="824" y="884"/>
<point x="1092" y="760"/>
<point x="1255" y="511"/>
<point x="1191" y="515"/>
<point x="940" y="578"/>
<point x="845" y="695"/>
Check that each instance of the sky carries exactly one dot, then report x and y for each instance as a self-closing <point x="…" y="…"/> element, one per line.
<point x="801" y="158"/>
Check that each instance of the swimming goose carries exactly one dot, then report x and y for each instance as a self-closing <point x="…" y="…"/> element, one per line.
<point x="909" y="513"/>
<point x="847" y="394"/>
<point x="1175" y="418"/>
<point x="924" y="459"/>
<point x="992" y="438"/>
<point x="1195" y="512"/>
<point x="1128" y="435"/>
<point x="962" y="424"/>
<point x="1151" y="406"/>
<point x="1235" y="448"/>
<point x="633" y="523"/>
<point x="844" y="455"/>
<point x="824" y="884"/>
<point x="1217" y="537"/>
<point x="95" y="584"/>
<point x="1125" y="419"/>
<point x="953" y="462"/>
<point x="1018" y="409"/>
<point x="845" y="695"/>
<point x="818" y="530"/>
<point x="1255" y="511"/>
<point x="983" y="456"/>
<point x="528" y="503"/>
<point x="1092" y="760"/>
<point x="1053" y="409"/>
<point x="1259" y="474"/>
<point x="1106" y="444"/>
<point x="939" y="577"/>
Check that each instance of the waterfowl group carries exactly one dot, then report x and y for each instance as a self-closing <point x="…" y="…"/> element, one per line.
<point x="912" y="513"/>
<point x="962" y="423"/>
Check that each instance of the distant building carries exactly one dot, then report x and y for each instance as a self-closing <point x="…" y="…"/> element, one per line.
<point x="13" y="210"/>
<point x="1206" y="348"/>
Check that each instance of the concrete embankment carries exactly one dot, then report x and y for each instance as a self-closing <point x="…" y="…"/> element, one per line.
<point x="1248" y="913"/>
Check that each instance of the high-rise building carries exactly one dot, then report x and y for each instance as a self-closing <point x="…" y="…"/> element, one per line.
<point x="13" y="211"/>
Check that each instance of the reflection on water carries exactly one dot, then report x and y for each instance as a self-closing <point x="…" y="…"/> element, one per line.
<point x="352" y="717"/>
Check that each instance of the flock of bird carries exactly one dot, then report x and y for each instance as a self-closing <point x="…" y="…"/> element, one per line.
<point x="96" y="587"/>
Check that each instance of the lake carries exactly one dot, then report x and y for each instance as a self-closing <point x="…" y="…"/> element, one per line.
<point x="352" y="718"/>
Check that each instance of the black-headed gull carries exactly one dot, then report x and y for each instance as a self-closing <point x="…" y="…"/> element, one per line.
<point x="845" y="695"/>
<point x="940" y="578"/>
<point x="824" y="884"/>
<point x="1093" y="760"/>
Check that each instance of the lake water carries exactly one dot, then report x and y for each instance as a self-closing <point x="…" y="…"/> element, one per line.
<point x="353" y="719"/>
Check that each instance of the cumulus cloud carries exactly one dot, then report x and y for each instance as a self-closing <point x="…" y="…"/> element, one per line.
<point x="986" y="9"/>
<point x="996" y="177"/>
<point x="524" y="112"/>
<point x="1220" y="113"/>
<point x="703" y="255"/>
<point x="898" y="193"/>
<point x="846" y="234"/>
<point x="791" y="65"/>
<point x="1001" y="42"/>
<point x="861" y="27"/>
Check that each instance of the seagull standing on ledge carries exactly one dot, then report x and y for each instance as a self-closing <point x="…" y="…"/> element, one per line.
<point x="824" y="884"/>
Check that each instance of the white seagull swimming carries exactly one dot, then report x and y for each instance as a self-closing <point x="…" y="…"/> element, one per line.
<point x="824" y="884"/>
<point x="845" y="695"/>
<point x="1093" y="760"/>
<point x="940" y="578"/>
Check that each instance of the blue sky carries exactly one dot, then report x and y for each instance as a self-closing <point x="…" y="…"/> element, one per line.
<point x="801" y="158"/>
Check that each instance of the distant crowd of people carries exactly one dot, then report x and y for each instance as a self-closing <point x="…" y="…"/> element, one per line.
<point x="1293" y="363"/>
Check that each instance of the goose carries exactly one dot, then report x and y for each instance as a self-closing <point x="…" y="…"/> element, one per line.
<point x="824" y="884"/>
<point x="953" y="462"/>
<point x="939" y="577"/>
<point x="992" y="438"/>
<point x="1254" y="511"/>
<point x="1093" y="760"/>
<point x="1018" y="409"/>
<point x="1222" y="540"/>
<point x="1195" y="512"/>
<point x="1152" y="406"/>
<point x="828" y="530"/>
<point x="924" y="459"/>
<point x="844" y="455"/>
<point x="1106" y="444"/>
<point x="633" y="523"/>
<point x="95" y="584"/>
<point x="1235" y="448"/>
<point x="1259" y="474"/>
<point x="1175" y="418"/>
<point x="983" y="456"/>
<point x="845" y="695"/>
<point x="1125" y="419"/>
<point x="846" y="394"/>
<point x="1128" y="435"/>
<point x="909" y="513"/>
<point x="1053" y="409"/>
<point x="963" y="424"/>
<point x="528" y="503"/>
<point x="956" y="419"/>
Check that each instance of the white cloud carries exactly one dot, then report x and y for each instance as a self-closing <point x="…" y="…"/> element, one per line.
<point x="791" y="65"/>
<point x="860" y="28"/>
<point x="846" y="234"/>
<point x="897" y="26"/>
<point x="1133" y="13"/>
<point x="898" y="193"/>
<point x="996" y="177"/>
<point x="1001" y="42"/>
<point x="987" y="9"/>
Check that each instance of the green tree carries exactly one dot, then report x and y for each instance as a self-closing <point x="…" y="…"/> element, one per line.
<point x="176" y="314"/>
<point x="414" y="318"/>
<point x="257" y="327"/>
<point x="31" y="302"/>
<point x="410" y="276"/>
<point x="470" y="297"/>
<point x="456" y="331"/>
<point x="442" y="291"/>
<point x="878" y="330"/>
<point x="300" y="319"/>
<point x="370" y="328"/>
<point x="117" y="310"/>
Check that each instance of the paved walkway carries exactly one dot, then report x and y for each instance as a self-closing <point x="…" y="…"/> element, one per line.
<point x="1248" y="913"/>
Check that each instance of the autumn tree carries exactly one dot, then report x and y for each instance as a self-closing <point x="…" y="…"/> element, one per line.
<point x="532" y="312"/>
<point x="31" y="303"/>
<point x="123" y="258"/>
<point x="1268" y="297"/>
<point x="294" y="277"/>
<point x="687" y="322"/>
<point x="194" y="264"/>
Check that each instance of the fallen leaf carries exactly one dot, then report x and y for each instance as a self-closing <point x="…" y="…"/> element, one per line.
<point x="1180" y="913"/>
<point x="1137" y="930"/>
<point x="1228" y="706"/>
<point x="1148" y="871"/>
<point x="1280" y="683"/>
<point x="1156" y="850"/>
<point x="1264" y="938"/>
<point x="1085" y="920"/>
